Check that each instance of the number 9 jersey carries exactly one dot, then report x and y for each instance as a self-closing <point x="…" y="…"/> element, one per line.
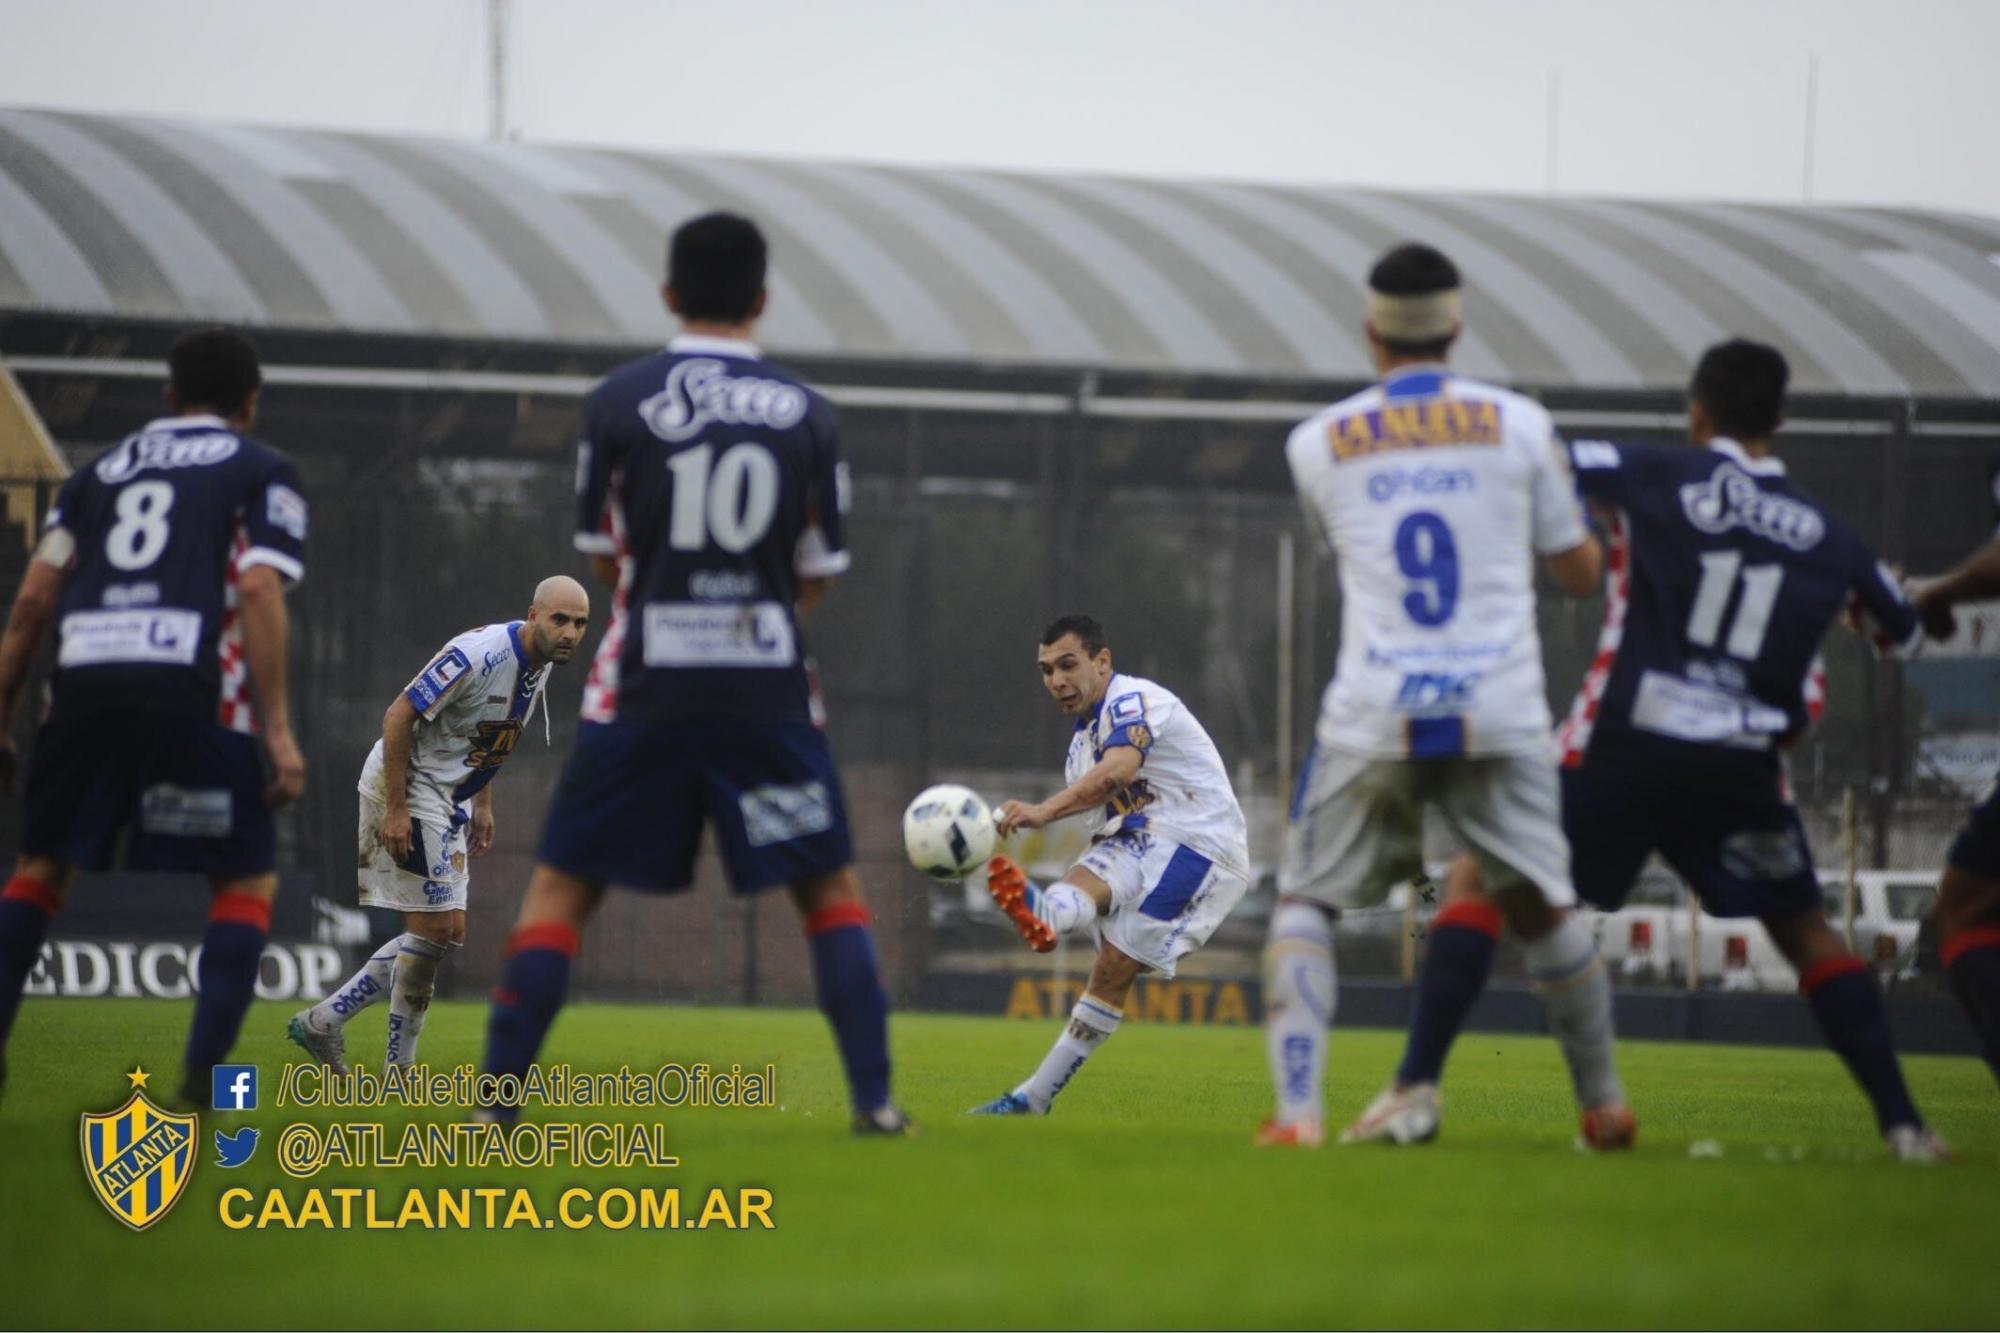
<point x="154" y="536"/>
<point x="1436" y="493"/>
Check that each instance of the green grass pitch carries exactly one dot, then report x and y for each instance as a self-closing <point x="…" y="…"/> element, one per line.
<point x="1139" y="1204"/>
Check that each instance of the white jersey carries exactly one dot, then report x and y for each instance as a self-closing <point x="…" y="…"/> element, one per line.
<point x="1436" y="493"/>
<point x="472" y="702"/>
<point x="1182" y="792"/>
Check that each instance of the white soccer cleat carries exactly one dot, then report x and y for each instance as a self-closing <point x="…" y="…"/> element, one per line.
<point x="1400" y="1116"/>
<point x="1917" y="1143"/>
<point x="329" y="1048"/>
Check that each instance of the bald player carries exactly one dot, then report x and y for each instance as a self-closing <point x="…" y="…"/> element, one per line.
<point x="427" y="803"/>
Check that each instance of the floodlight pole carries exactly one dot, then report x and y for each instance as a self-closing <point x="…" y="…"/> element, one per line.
<point x="496" y="70"/>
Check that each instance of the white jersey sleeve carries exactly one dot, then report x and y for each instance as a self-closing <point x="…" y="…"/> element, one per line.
<point x="1559" y="522"/>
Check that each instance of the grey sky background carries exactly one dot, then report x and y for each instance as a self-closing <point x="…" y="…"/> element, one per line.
<point x="1684" y="99"/>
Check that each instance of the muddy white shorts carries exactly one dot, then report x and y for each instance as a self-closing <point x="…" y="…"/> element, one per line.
<point x="1166" y="899"/>
<point x="1357" y="828"/>
<point x="432" y="878"/>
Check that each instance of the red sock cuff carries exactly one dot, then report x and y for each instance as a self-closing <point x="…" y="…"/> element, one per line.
<point x="837" y="916"/>
<point x="28" y="889"/>
<point x="546" y="935"/>
<point x="1955" y="946"/>
<point x="245" y="909"/>
<point x="1482" y="917"/>
<point x="1827" y="969"/>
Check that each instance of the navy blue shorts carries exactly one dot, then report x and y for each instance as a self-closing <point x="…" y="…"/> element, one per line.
<point x="635" y="795"/>
<point x="1732" y="836"/>
<point x="1976" y="849"/>
<point x="183" y="793"/>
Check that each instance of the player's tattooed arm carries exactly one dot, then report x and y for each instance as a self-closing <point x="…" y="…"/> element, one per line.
<point x="262" y="593"/>
<point x="27" y="624"/>
<point x="399" y="726"/>
<point x="479" y="838"/>
<point x="1109" y="776"/>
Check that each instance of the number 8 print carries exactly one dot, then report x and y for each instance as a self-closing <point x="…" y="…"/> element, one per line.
<point x="140" y="534"/>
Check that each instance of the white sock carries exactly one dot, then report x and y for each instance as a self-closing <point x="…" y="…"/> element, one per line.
<point x="1065" y="907"/>
<point x="368" y="986"/>
<point x="1091" y="1024"/>
<point x="1299" y="998"/>
<point x="410" y="996"/>
<point x="1569" y="979"/>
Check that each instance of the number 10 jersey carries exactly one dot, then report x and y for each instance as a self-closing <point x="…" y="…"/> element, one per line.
<point x="1436" y="494"/>
<point x="715" y="481"/>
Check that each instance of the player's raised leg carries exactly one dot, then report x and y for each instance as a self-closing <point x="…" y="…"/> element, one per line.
<point x="239" y="922"/>
<point x="849" y="981"/>
<point x="1847" y="1004"/>
<point x="28" y="904"/>
<point x="535" y="978"/>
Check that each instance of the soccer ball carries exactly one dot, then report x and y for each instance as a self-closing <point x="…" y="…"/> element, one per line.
<point x="948" y="831"/>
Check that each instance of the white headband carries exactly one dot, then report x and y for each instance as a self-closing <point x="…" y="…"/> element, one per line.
<point x="1424" y="318"/>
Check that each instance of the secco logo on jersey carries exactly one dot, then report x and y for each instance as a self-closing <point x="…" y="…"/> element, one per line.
<point x="1731" y="498"/>
<point x="700" y="391"/>
<point x="164" y="451"/>
<point x="1430" y="689"/>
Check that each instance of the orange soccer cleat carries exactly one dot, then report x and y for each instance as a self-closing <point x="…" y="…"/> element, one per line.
<point x="1008" y="884"/>
<point x="1298" y="1134"/>
<point x="1607" y="1128"/>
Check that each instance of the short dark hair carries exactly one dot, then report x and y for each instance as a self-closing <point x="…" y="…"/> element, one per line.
<point x="214" y="368"/>
<point x="1742" y="385"/>
<point x="1088" y="632"/>
<point x="1415" y="269"/>
<point x="715" y="264"/>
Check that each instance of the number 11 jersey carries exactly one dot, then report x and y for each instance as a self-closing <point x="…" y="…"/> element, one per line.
<point x="1436" y="493"/>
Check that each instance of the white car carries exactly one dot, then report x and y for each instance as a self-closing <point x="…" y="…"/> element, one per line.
<point x="1890" y="907"/>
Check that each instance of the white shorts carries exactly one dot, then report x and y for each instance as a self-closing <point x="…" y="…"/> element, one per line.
<point x="1358" y="828"/>
<point x="433" y="879"/>
<point x="1166" y="899"/>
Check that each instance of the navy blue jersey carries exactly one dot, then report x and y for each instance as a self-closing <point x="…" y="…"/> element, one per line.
<point x="154" y="537"/>
<point x="1723" y="578"/>
<point x="716" y="481"/>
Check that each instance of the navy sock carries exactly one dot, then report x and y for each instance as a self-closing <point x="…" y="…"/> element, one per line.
<point x="852" y="998"/>
<point x="1972" y="961"/>
<point x="26" y="908"/>
<point x="1456" y="965"/>
<point x="1848" y="1006"/>
<point x="238" y="924"/>
<point x="530" y="993"/>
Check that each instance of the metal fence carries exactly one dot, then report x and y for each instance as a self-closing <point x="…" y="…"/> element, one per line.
<point x="985" y="503"/>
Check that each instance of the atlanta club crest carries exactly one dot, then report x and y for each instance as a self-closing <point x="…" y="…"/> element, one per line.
<point x="138" y="1158"/>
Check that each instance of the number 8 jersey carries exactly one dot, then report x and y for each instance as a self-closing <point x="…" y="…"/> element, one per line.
<point x="1436" y="493"/>
<point x="154" y="536"/>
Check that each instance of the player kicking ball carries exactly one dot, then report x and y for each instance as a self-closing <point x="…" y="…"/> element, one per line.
<point x="427" y="805"/>
<point x="1168" y="854"/>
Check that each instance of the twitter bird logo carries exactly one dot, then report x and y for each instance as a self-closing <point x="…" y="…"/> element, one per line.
<point x="236" y="1149"/>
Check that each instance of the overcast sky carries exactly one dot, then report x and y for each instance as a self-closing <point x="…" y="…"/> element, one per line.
<point x="1675" y="98"/>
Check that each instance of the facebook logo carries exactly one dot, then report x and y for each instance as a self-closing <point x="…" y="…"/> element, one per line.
<point x="235" y="1088"/>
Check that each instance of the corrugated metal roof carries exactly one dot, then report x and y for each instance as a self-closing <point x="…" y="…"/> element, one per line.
<point x="179" y="220"/>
